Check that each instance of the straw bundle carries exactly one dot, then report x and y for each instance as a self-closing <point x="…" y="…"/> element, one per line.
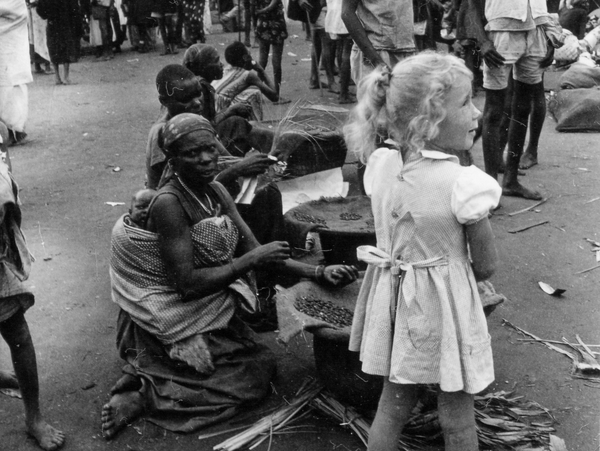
<point x="499" y="417"/>
<point x="264" y="428"/>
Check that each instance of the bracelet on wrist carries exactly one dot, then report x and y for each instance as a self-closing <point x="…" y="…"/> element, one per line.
<point x="320" y="273"/>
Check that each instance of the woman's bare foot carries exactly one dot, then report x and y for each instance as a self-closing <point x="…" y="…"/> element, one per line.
<point x="127" y="382"/>
<point x="120" y="411"/>
<point x="8" y="380"/>
<point x="527" y="161"/>
<point x="48" y="438"/>
<point x="518" y="190"/>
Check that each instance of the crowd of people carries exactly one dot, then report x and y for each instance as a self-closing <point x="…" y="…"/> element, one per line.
<point x="187" y="261"/>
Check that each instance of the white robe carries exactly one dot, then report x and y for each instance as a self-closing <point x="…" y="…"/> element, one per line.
<point x="15" y="68"/>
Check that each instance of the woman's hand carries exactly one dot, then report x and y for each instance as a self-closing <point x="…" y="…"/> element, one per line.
<point x="340" y="275"/>
<point x="274" y="252"/>
<point x="253" y="164"/>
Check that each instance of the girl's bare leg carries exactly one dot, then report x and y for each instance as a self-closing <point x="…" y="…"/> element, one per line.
<point x="393" y="412"/>
<point x="16" y="334"/>
<point x="277" y="73"/>
<point x="263" y="53"/>
<point x="457" y="417"/>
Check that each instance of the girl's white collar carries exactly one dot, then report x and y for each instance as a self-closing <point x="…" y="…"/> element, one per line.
<point x="437" y="155"/>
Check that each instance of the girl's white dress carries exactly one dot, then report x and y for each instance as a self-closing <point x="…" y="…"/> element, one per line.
<point x="418" y="316"/>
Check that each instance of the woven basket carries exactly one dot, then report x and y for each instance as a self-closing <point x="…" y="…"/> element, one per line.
<point x="337" y="367"/>
<point x="339" y="237"/>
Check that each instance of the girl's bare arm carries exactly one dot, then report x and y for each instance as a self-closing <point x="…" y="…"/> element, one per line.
<point x="484" y="256"/>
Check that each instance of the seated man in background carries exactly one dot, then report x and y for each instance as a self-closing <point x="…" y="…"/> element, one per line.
<point x="575" y="18"/>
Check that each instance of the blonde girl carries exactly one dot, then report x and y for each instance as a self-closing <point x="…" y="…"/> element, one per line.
<point x="419" y="319"/>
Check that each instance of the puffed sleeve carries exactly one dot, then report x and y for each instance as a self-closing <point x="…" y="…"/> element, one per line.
<point x="377" y="162"/>
<point x="475" y="193"/>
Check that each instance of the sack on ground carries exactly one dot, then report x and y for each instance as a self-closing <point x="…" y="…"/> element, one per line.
<point x="579" y="76"/>
<point x="576" y="110"/>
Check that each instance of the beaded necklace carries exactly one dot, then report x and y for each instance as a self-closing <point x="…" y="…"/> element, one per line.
<point x="209" y="210"/>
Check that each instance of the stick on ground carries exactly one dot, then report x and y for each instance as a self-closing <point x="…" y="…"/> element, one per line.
<point x="528" y="227"/>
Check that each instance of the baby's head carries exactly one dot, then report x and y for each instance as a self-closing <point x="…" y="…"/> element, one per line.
<point x="409" y="103"/>
<point x="138" y="212"/>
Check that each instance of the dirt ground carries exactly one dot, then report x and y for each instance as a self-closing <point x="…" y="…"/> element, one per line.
<point x="79" y="134"/>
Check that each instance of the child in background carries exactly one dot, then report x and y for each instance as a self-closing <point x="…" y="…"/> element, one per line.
<point x="338" y="33"/>
<point x="418" y="317"/>
<point x="15" y="299"/>
<point x="448" y="31"/>
<point x="165" y="11"/>
<point x="321" y="54"/>
<point x="271" y="30"/>
<point x="138" y="211"/>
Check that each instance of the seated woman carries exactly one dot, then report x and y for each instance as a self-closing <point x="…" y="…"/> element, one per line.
<point x="243" y="81"/>
<point x="182" y="284"/>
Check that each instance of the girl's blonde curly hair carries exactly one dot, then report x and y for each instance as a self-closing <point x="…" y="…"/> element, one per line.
<point x="406" y="105"/>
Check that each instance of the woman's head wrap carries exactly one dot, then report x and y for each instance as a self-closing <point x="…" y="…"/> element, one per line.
<point x="181" y="125"/>
<point x="198" y="55"/>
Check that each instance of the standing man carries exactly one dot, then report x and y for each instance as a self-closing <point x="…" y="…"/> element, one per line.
<point x="515" y="37"/>
<point x="382" y="31"/>
<point x="15" y="68"/>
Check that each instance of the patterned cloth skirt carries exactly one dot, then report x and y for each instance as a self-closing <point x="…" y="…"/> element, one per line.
<point x="180" y="399"/>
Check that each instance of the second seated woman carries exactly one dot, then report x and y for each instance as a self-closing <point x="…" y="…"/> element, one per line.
<point x="243" y="81"/>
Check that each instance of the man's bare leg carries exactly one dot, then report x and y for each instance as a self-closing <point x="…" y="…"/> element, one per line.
<point x="521" y="107"/>
<point x="16" y="334"/>
<point x="536" y="123"/>
<point x="492" y="130"/>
